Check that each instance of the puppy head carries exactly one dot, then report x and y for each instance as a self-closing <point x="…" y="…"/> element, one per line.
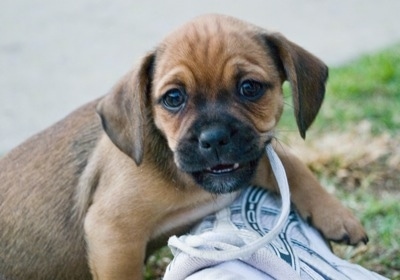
<point x="212" y="89"/>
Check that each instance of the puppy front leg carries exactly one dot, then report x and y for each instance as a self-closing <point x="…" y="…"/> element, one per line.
<point x="115" y="250"/>
<point x="316" y="205"/>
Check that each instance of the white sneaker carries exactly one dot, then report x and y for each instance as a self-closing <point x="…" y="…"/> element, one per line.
<point x="298" y="252"/>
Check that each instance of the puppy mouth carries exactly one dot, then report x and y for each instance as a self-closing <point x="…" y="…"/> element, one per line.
<point x="225" y="178"/>
<point x="222" y="169"/>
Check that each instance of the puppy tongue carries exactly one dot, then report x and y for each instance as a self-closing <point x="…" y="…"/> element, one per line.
<point x="223" y="168"/>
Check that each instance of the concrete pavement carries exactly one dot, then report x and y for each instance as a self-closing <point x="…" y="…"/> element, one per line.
<point x="57" y="55"/>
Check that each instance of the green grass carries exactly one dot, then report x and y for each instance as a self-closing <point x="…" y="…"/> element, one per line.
<point x="366" y="90"/>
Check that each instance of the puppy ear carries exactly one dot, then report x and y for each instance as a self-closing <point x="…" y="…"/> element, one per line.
<point x="307" y="76"/>
<point x="123" y="111"/>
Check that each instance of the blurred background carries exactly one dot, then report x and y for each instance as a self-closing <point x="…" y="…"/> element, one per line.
<point x="57" y="55"/>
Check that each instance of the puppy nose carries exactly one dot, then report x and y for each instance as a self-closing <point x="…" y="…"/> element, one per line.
<point x="214" y="137"/>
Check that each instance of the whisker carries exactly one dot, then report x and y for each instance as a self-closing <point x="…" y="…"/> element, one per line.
<point x="288" y="105"/>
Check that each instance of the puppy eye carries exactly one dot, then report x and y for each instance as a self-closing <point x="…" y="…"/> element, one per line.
<point x="251" y="90"/>
<point x="174" y="99"/>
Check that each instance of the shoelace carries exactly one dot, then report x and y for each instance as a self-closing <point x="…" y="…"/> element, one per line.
<point x="247" y="250"/>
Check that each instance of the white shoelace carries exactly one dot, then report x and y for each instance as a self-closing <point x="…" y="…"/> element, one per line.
<point x="247" y="250"/>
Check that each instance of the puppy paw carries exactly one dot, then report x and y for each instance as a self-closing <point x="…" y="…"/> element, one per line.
<point x="338" y="224"/>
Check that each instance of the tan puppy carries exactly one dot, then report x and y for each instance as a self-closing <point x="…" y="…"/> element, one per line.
<point x="179" y="136"/>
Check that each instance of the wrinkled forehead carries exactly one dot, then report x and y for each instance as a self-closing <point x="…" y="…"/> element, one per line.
<point x="206" y="32"/>
<point x="209" y="47"/>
